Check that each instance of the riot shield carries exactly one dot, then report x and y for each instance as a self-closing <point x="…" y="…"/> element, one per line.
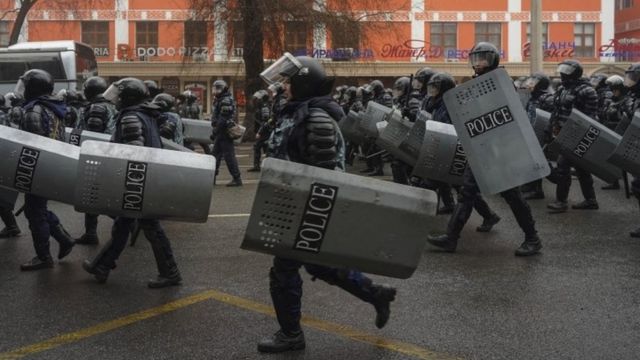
<point x="541" y="124"/>
<point x="494" y="129"/>
<point x="197" y="131"/>
<point x="38" y="165"/>
<point x="441" y="156"/>
<point x="424" y="116"/>
<point x="170" y="145"/>
<point x="588" y="144"/>
<point x="411" y="146"/>
<point x="627" y="155"/>
<point x="395" y="132"/>
<point x="374" y="114"/>
<point x="348" y="127"/>
<point x="524" y="96"/>
<point x="335" y="219"/>
<point x="78" y="136"/>
<point x="144" y="183"/>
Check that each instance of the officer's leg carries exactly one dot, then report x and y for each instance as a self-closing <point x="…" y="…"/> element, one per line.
<point x="586" y="185"/>
<point x="168" y="273"/>
<point x="399" y="172"/>
<point x="35" y="210"/>
<point x="106" y="258"/>
<point x="257" y="149"/>
<point x="444" y="190"/>
<point x="522" y="213"/>
<point x="360" y="286"/>
<point x="217" y="154"/>
<point x="11" y="228"/>
<point x="232" y="163"/>
<point x="90" y="236"/>
<point x="635" y="189"/>
<point x="60" y="234"/>
<point x="562" y="177"/>
<point x="489" y="218"/>
<point x="285" y="285"/>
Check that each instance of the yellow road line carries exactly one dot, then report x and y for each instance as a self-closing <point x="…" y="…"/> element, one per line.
<point x="228" y="215"/>
<point x="326" y="326"/>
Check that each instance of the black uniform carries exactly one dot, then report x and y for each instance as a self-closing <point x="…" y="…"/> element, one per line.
<point x="223" y="147"/>
<point x="11" y="228"/>
<point x="628" y="109"/>
<point x="261" y="117"/>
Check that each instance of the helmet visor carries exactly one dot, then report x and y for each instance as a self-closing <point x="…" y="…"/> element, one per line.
<point x="482" y="60"/>
<point x="595" y="81"/>
<point x="416" y="84"/>
<point x="631" y="78"/>
<point x="433" y="90"/>
<point x="396" y="93"/>
<point x="565" y="69"/>
<point x="112" y="94"/>
<point x="283" y="68"/>
<point x="19" y="88"/>
<point x="531" y="83"/>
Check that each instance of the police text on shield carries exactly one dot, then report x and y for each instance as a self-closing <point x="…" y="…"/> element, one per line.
<point x="489" y="121"/>
<point x="134" y="186"/>
<point x="26" y="168"/>
<point x="587" y="140"/>
<point x="316" y="217"/>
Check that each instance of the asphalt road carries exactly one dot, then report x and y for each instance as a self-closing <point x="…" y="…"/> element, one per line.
<point x="579" y="299"/>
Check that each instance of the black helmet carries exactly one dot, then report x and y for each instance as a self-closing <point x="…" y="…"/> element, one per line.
<point x="422" y="77"/>
<point x="34" y="83"/>
<point x="598" y="80"/>
<point x="632" y="76"/>
<point x="538" y="81"/>
<point x="570" y="70"/>
<point x="439" y="84"/>
<point x="153" y="87"/>
<point x="306" y="76"/>
<point x="164" y="101"/>
<point x="220" y="87"/>
<point x="377" y="88"/>
<point x="127" y="92"/>
<point x="484" y="57"/>
<point x="94" y="86"/>
<point x="351" y="93"/>
<point x="400" y="86"/>
<point x="2" y="101"/>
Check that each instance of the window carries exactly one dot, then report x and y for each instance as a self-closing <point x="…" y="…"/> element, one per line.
<point x="295" y="37"/>
<point x="4" y="33"/>
<point x="545" y="32"/>
<point x="147" y="36"/>
<point x="624" y="4"/>
<point x="195" y="34"/>
<point x="345" y="35"/>
<point x="96" y="34"/>
<point x="584" y="40"/>
<point x="443" y="38"/>
<point x="237" y="34"/>
<point x="489" y="32"/>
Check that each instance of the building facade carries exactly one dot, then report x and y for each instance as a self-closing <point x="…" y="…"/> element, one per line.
<point x="160" y="40"/>
<point x="627" y="29"/>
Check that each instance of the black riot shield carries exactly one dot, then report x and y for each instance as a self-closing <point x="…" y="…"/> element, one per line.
<point x="589" y="144"/>
<point x="495" y="131"/>
<point x="441" y="156"/>
<point x="627" y="155"/>
<point x="340" y="220"/>
<point x="144" y="183"/>
<point x="38" y="165"/>
<point x="197" y="131"/>
<point x="77" y="136"/>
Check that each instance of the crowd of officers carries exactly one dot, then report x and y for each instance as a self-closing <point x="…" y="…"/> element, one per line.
<point x="296" y="119"/>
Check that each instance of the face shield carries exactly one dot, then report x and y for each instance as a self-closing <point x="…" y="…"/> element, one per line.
<point x="19" y="90"/>
<point x="416" y="84"/>
<point x="565" y="69"/>
<point x="433" y="90"/>
<point x="112" y="94"/>
<point x="531" y="83"/>
<point x="283" y="68"/>
<point x="595" y="82"/>
<point x="482" y="60"/>
<point x="631" y="79"/>
<point x="396" y="93"/>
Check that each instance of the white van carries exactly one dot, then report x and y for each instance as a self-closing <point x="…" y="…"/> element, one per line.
<point x="69" y="62"/>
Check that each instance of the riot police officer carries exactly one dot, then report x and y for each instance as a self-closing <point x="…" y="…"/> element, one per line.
<point x="350" y="97"/>
<point x="154" y="89"/>
<point x="538" y="84"/>
<point x="98" y="116"/>
<point x="278" y="101"/>
<point x="222" y="118"/>
<point x="378" y="95"/>
<point x="599" y="83"/>
<point x="135" y="126"/>
<point x="75" y="104"/>
<point x="484" y="57"/>
<point x="169" y="123"/>
<point x="400" y="92"/>
<point x="308" y="134"/>
<point x="261" y="116"/>
<point x="43" y="115"/>
<point x="613" y="112"/>
<point x="628" y="109"/>
<point x="16" y="112"/>
<point x="575" y="92"/>
<point x="11" y="228"/>
<point x="190" y="108"/>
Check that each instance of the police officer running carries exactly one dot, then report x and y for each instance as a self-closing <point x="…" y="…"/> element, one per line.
<point x="136" y="126"/>
<point x="44" y="115"/>
<point x="222" y="118"/>
<point x="484" y="57"/>
<point x="308" y="134"/>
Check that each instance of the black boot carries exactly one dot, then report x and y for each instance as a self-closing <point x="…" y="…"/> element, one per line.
<point x="558" y="206"/>
<point x="168" y="273"/>
<point x="64" y="239"/>
<point x="589" y="204"/>
<point x="635" y="233"/>
<point x="10" y="231"/>
<point x="172" y="278"/>
<point x="98" y="270"/>
<point x="280" y="342"/>
<point x="254" y="169"/>
<point x="383" y="295"/>
<point x="235" y="182"/>
<point x="37" y="263"/>
<point x="447" y="200"/>
<point x="88" y="239"/>
<point x="530" y="246"/>
<point x="445" y="242"/>
<point x="487" y="223"/>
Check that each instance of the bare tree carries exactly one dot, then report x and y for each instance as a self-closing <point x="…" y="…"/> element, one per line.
<point x="263" y="25"/>
<point x="21" y="11"/>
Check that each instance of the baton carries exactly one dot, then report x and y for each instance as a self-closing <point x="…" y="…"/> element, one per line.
<point x="19" y="211"/>
<point x="625" y="180"/>
<point x="381" y="152"/>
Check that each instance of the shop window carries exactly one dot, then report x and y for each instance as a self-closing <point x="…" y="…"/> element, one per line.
<point x="96" y="34"/>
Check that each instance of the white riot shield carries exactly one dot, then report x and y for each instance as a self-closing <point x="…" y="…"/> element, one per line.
<point x="410" y="147"/>
<point x="588" y="144"/>
<point x="170" y="145"/>
<point x="335" y="219"/>
<point x="197" y="131"/>
<point x="374" y="114"/>
<point x="495" y="131"/>
<point x="524" y="96"/>
<point x="348" y="127"/>
<point x="141" y="182"/>
<point x="627" y="155"/>
<point x="541" y="124"/>
<point x="441" y="156"/>
<point x="395" y="132"/>
<point x="38" y="165"/>
<point x="78" y="136"/>
<point x="424" y="116"/>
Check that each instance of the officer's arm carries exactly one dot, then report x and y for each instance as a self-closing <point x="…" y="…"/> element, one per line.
<point x="321" y="136"/>
<point x="131" y="130"/>
<point x="168" y="129"/>
<point x="97" y="118"/>
<point x="33" y="121"/>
